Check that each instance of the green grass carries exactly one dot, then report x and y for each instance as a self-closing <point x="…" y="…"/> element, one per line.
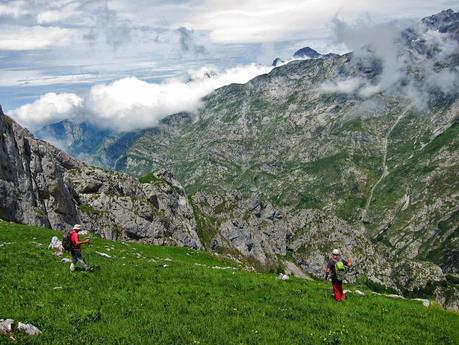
<point x="442" y="140"/>
<point x="150" y="178"/>
<point x="206" y="227"/>
<point x="90" y="210"/>
<point x="132" y="298"/>
<point x="421" y="175"/>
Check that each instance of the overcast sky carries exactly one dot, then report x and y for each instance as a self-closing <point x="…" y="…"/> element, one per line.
<point x="58" y="55"/>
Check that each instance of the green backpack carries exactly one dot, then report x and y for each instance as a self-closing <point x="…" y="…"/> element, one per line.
<point x="340" y="270"/>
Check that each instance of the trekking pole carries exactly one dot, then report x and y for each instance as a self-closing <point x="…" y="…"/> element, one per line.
<point x="324" y="293"/>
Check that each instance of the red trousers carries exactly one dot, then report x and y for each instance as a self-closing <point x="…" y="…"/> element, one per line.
<point x="338" y="291"/>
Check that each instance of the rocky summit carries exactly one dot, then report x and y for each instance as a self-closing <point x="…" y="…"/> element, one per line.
<point x="306" y="53"/>
<point x="41" y="185"/>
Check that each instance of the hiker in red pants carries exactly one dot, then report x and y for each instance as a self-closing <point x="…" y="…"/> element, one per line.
<point x="337" y="268"/>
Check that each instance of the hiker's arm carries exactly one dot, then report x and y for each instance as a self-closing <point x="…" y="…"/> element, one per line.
<point x="86" y="241"/>
<point x="349" y="262"/>
<point x="327" y="272"/>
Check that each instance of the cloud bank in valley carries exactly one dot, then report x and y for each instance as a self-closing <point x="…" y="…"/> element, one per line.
<point x="49" y="108"/>
<point x="130" y="103"/>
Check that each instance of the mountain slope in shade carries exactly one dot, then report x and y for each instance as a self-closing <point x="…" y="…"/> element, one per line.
<point x="98" y="146"/>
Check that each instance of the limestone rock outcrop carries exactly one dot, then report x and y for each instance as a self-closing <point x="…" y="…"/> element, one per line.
<point x="41" y="185"/>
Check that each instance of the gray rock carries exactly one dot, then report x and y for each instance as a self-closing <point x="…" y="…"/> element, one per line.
<point x="425" y="302"/>
<point x="448" y="297"/>
<point x="28" y="329"/>
<point x="6" y="326"/>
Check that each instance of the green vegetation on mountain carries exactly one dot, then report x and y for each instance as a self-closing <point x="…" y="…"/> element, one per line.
<point x="147" y="294"/>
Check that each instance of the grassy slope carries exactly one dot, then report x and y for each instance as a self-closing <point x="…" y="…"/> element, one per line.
<point x="136" y="300"/>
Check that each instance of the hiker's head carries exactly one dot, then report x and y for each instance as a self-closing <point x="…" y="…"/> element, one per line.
<point x="335" y="253"/>
<point x="77" y="227"/>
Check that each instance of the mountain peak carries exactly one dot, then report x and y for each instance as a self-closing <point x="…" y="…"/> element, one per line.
<point x="444" y="21"/>
<point x="277" y="62"/>
<point x="306" y="52"/>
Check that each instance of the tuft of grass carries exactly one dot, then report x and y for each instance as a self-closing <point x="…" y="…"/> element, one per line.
<point x="441" y="140"/>
<point x="149" y="178"/>
<point x="89" y="210"/>
<point x="206" y="227"/>
<point x="158" y="295"/>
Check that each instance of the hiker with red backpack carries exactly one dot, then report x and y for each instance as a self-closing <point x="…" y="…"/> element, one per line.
<point x="336" y="267"/>
<point x="72" y="243"/>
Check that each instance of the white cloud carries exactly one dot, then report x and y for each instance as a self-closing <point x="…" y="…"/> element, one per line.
<point x="37" y="78"/>
<point x="349" y="86"/>
<point x="256" y="21"/>
<point x="261" y="21"/>
<point x="144" y="33"/>
<point x="49" y="108"/>
<point x="35" y="37"/>
<point x="13" y="78"/>
<point x="342" y="86"/>
<point x="132" y="103"/>
<point x="416" y="63"/>
<point x="58" y="15"/>
<point x="13" y="9"/>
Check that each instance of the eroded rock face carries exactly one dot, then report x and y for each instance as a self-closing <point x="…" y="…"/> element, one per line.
<point x="252" y="228"/>
<point x="41" y="185"/>
<point x="448" y="297"/>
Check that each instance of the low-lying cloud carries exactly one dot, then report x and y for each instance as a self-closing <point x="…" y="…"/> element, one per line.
<point x="131" y="103"/>
<point x="342" y="86"/>
<point x="412" y="60"/>
<point x="49" y="108"/>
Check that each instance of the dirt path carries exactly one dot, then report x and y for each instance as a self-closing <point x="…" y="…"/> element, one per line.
<point x="116" y="162"/>
<point x="384" y="165"/>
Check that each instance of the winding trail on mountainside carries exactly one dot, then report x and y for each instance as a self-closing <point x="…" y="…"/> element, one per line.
<point x="116" y="162"/>
<point x="384" y="165"/>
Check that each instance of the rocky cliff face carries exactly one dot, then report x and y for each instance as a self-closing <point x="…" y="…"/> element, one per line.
<point x="250" y="228"/>
<point x="43" y="186"/>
